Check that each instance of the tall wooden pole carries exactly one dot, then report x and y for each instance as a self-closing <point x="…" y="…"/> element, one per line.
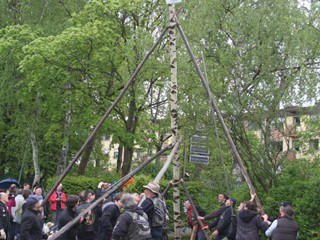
<point x="215" y="108"/>
<point x="174" y="121"/>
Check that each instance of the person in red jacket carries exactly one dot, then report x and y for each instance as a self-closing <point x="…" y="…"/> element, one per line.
<point x="193" y="221"/>
<point x="57" y="203"/>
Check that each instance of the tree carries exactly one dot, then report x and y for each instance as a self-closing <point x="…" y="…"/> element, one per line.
<point x="257" y="56"/>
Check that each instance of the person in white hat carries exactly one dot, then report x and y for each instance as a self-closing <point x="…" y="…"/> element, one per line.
<point x="155" y="208"/>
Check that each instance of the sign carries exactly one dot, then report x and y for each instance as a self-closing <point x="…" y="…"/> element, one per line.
<point x="199" y="151"/>
<point x="173" y="1"/>
<point x="199" y="159"/>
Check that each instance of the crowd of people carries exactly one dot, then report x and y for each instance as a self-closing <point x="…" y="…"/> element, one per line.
<point x="122" y="216"/>
<point x="130" y="216"/>
<point x="246" y="224"/>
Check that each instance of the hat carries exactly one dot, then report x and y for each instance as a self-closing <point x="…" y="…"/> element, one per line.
<point x="284" y="204"/>
<point x="31" y="200"/>
<point x="288" y="211"/>
<point x="153" y="187"/>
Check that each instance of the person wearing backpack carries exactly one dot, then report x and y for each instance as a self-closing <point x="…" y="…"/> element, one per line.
<point x="132" y="223"/>
<point x="155" y="209"/>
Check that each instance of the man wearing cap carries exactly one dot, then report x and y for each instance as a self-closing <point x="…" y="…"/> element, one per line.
<point x="284" y="227"/>
<point x="30" y="222"/>
<point x="155" y="208"/>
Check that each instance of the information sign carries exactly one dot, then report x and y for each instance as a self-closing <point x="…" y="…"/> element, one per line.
<point x="173" y="1"/>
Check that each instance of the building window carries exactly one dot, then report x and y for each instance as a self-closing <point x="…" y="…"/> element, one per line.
<point x="296" y="121"/>
<point x="296" y="146"/>
<point x="314" y="144"/>
<point x="106" y="138"/>
<point x="277" y="123"/>
<point x="140" y="153"/>
<point x="313" y="117"/>
<point x="116" y="153"/>
<point x="277" y="146"/>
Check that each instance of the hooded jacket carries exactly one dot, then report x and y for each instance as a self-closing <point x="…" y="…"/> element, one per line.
<point x="248" y="225"/>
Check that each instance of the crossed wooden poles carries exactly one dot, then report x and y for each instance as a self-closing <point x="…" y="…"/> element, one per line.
<point x="114" y="187"/>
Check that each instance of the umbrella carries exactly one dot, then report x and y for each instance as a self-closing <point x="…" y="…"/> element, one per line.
<point x="6" y="183"/>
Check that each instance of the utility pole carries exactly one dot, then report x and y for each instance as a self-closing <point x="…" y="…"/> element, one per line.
<point x="174" y="119"/>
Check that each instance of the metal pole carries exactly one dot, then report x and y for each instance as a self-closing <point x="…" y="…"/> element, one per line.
<point x="107" y="113"/>
<point x="217" y="110"/>
<point x="110" y="190"/>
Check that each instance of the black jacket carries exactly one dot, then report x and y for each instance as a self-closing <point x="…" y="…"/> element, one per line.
<point x="108" y="220"/>
<point x="65" y="217"/>
<point x="30" y="225"/>
<point x="132" y="224"/>
<point x="248" y="225"/>
<point x="4" y="217"/>
<point x="224" y="222"/>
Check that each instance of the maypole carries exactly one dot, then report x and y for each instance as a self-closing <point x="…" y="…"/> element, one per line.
<point x="174" y="118"/>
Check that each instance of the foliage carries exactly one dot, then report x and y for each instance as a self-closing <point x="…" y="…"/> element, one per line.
<point x="298" y="184"/>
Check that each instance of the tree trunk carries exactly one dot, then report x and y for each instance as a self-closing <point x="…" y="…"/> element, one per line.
<point x="174" y="122"/>
<point x="65" y="148"/>
<point x="131" y="125"/>
<point x="86" y="156"/>
<point x="35" y="157"/>
<point x="127" y="159"/>
<point x="119" y="158"/>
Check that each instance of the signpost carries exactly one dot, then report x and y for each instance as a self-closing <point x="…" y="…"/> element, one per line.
<point x="199" y="151"/>
<point x="173" y="1"/>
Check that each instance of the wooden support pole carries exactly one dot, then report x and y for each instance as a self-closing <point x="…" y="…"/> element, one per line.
<point x="215" y="108"/>
<point x="107" y="113"/>
<point x="167" y="163"/>
<point x="194" y="210"/>
<point x="110" y="190"/>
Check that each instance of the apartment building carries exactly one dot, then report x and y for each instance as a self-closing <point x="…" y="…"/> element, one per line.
<point x="285" y="131"/>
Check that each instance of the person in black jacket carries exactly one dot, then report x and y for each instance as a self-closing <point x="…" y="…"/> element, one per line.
<point x="110" y="214"/>
<point x="132" y="223"/>
<point x="67" y="215"/>
<point x="225" y="220"/>
<point x="4" y="216"/>
<point x="30" y="222"/>
<point x="216" y="214"/>
<point x="249" y="222"/>
<point x="89" y="226"/>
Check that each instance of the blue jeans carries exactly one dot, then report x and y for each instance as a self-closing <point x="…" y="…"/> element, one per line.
<point x="200" y="235"/>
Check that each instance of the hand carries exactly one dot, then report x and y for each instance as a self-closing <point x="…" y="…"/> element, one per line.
<point x="215" y="233"/>
<point x="100" y="184"/>
<point x="206" y="228"/>
<point x="58" y="199"/>
<point x="200" y="218"/>
<point x="253" y="196"/>
<point x="265" y="217"/>
<point x="3" y="234"/>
